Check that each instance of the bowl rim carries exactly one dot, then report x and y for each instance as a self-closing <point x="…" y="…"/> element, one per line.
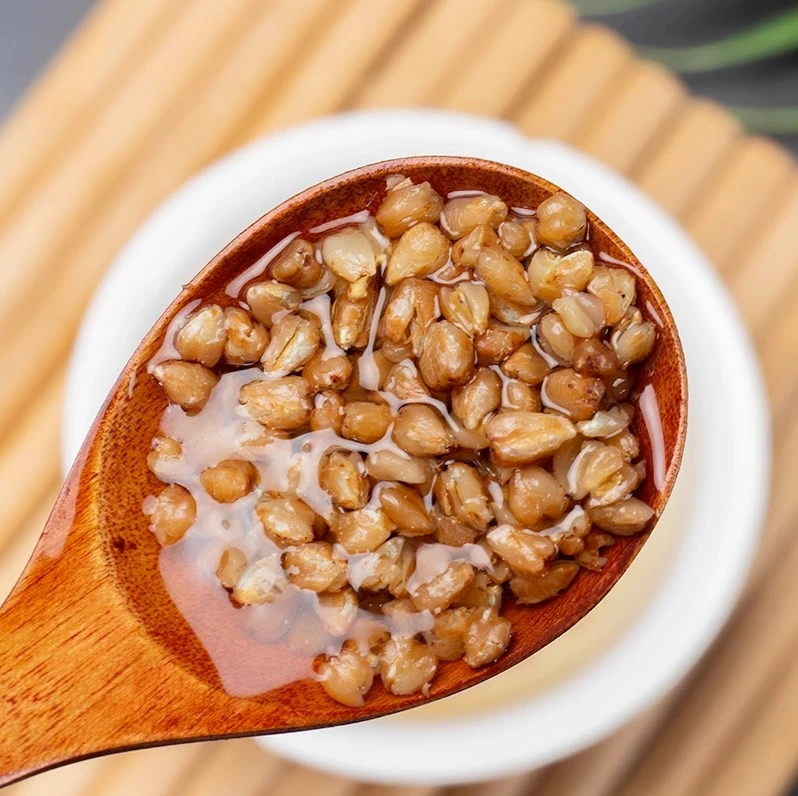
<point x="414" y="131"/>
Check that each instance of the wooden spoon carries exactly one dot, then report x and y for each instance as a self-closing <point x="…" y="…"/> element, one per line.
<point x="95" y="656"/>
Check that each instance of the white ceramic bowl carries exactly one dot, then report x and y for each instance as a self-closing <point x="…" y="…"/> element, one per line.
<point x="691" y="602"/>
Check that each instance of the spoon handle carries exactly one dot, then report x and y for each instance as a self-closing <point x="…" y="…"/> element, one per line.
<point x="77" y="675"/>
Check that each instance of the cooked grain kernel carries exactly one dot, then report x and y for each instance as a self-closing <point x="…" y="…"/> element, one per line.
<point x="421" y="251"/>
<point x="362" y="530"/>
<point x="476" y="399"/>
<point x="286" y="520"/>
<point x="164" y="456"/>
<point x="487" y="638"/>
<point x="555" y="339"/>
<point x="619" y="387"/>
<point x="515" y="314"/>
<point x="607" y="423"/>
<point x="246" y="339"/>
<point x="461" y="494"/>
<point x="337" y="611"/>
<point x="404" y="382"/>
<point x="546" y="584"/>
<point x="594" y="358"/>
<point x="616" y="488"/>
<point x="342" y="476"/>
<point x="232" y="564"/>
<point x="327" y="412"/>
<point x="349" y="255"/>
<point x="365" y="421"/>
<point x="535" y="494"/>
<point x="515" y="238"/>
<point x="281" y="404"/>
<point x="517" y="395"/>
<point x="407" y="666"/>
<point x="267" y="299"/>
<point x="526" y="365"/>
<point x="412" y="308"/>
<point x="172" y="514"/>
<point x="581" y="314"/>
<point x="407" y="205"/>
<point x="574" y="395"/>
<point x="625" y="518"/>
<point x="463" y="214"/>
<point x="314" y="566"/>
<point x="294" y="341"/>
<point x="633" y="339"/>
<point x="439" y="593"/>
<point x="387" y="465"/>
<point x="524" y="551"/>
<point x="350" y="320"/>
<point x="481" y="593"/>
<point x="447" y="637"/>
<point x="615" y="288"/>
<point x="202" y="338"/>
<point x="420" y="431"/>
<point x="596" y="467"/>
<point x="467" y="306"/>
<point x="504" y="277"/>
<point x="499" y="341"/>
<point x="627" y="443"/>
<point x="562" y="221"/>
<point x="518" y="438"/>
<point x="466" y="250"/>
<point x="263" y="581"/>
<point x="347" y="677"/>
<point x="452" y="532"/>
<point x="328" y="373"/>
<point x="387" y="569"/>
<point x="552" y="275"/>
<point x="229" y="480"/>
<point x="405" y="508"/>
<point x="187" y="384"/>
<point x="447" y="357"/>
<point x="296" y="265"/>
<point x="590" y="557"/>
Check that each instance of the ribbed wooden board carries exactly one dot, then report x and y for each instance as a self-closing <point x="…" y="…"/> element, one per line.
<point x="146" y="93"/>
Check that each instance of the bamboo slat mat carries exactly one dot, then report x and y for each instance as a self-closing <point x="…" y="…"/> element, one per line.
<point x="146" y="93"/>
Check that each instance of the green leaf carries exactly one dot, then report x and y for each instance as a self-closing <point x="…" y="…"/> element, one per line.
<point x="771" y="121"/>
<point x="601" y="8"/>
<point x="774" y="36"/>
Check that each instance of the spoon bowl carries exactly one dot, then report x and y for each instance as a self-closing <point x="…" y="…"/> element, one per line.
<point x="96" y="657"/>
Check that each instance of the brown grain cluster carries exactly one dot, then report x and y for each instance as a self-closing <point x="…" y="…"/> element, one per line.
<point x="407" y="419"/>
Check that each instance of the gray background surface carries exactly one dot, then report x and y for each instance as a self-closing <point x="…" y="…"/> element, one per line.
<point x="30" y="32"/>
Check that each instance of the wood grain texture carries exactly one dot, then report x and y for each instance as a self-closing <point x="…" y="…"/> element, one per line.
<point x="518" y="785"/>
<point x="313" y="88"/>
<point x="408" y="74"/>
<point x="192" y="44"/>
<point x="690" y="148"/>
<point x="641" y="104"/>
<point x="765" y="270"/>
<point x="84" y="75"/>
<point x="572" y="86"/>
<point x="718" y="220"/>
<point x="236" y="763"/>
<point x="600" y="770"/>
<point x="504" y="63"/>
<point x="120" y="140"/>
